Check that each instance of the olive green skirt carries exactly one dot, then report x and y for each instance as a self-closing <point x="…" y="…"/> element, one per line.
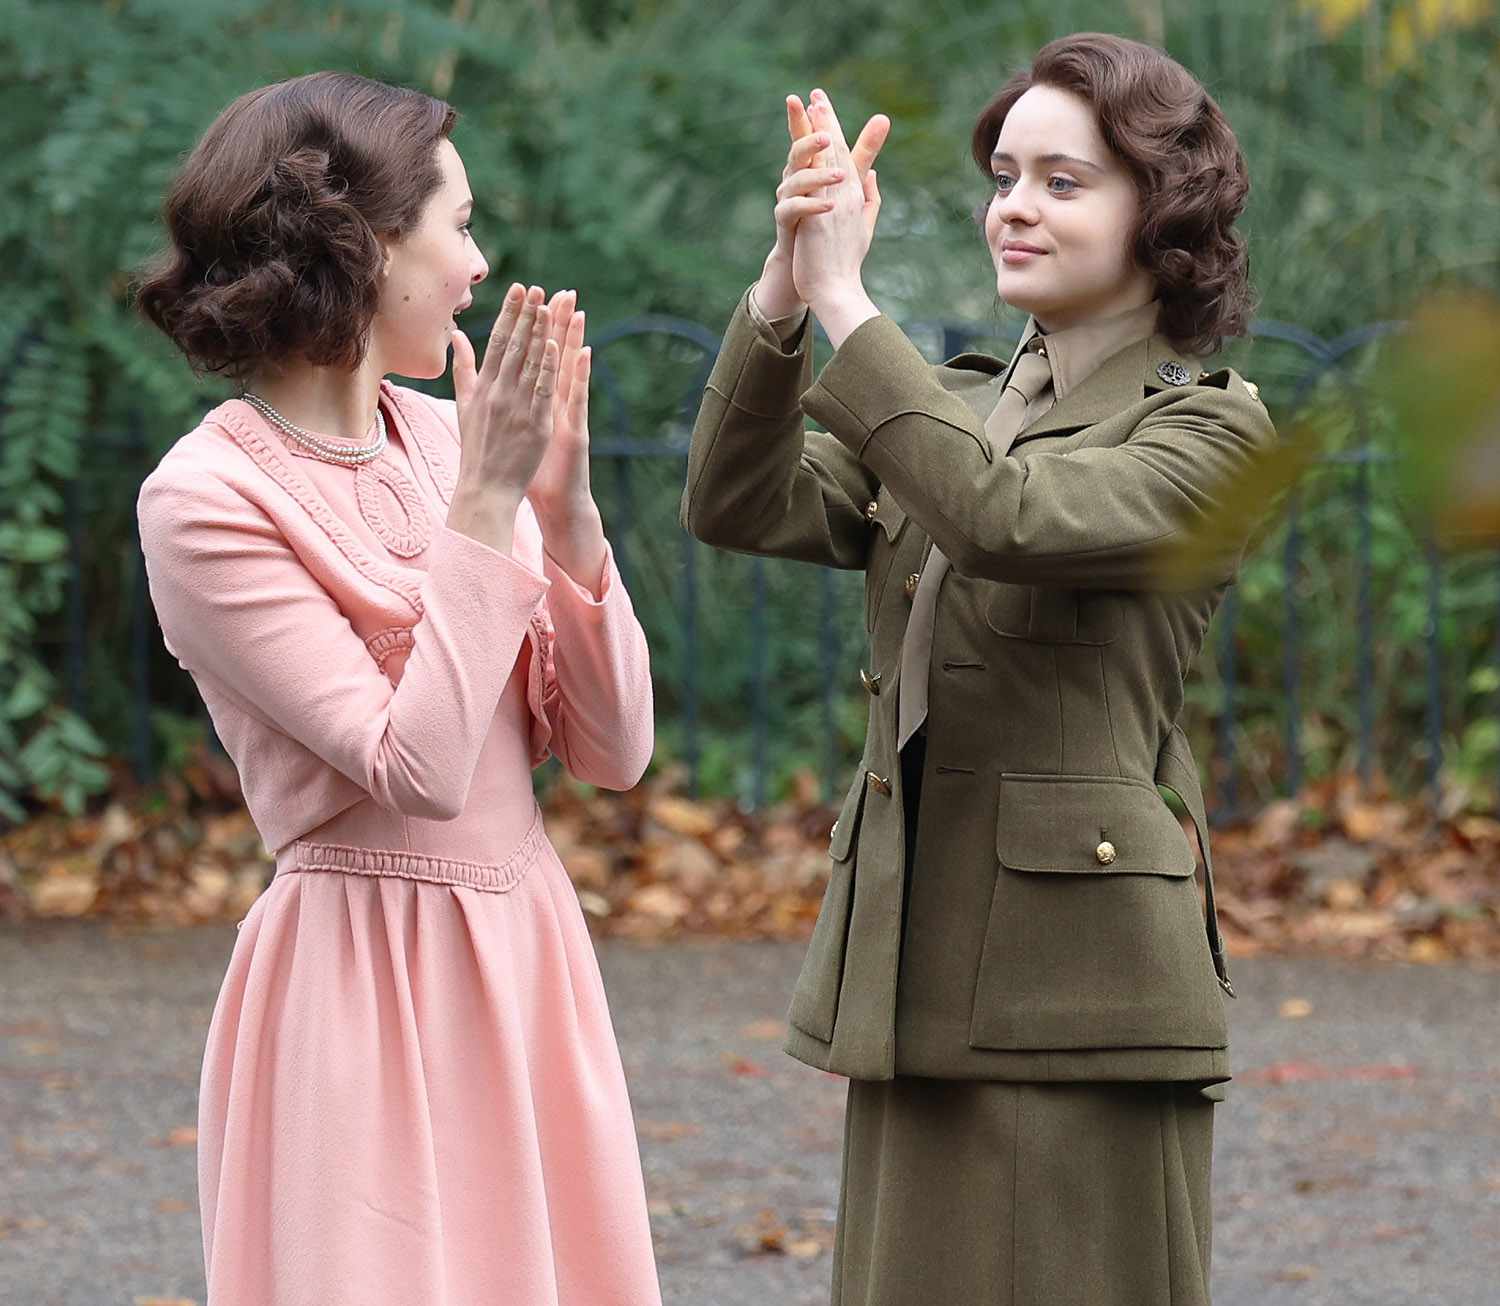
<point x="994" y="1194"/>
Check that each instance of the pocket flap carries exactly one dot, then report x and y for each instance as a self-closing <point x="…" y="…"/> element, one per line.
<point x="841" y="841"/>
<point x="1060" y="823"/>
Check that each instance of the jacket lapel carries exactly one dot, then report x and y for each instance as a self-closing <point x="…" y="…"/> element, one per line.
<point x="1120" y="382"/>
<point x="1112" y="387"/>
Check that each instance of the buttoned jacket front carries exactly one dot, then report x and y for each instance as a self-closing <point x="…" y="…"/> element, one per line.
<point x="1054" y="930"/>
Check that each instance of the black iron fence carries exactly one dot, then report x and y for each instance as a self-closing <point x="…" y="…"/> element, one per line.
<point x="755" y="661"/>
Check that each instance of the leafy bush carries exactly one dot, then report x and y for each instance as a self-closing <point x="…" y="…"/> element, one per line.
<point x="630" y="150"/>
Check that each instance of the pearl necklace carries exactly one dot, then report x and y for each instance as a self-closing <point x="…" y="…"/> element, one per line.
<point x="343" y="454"/>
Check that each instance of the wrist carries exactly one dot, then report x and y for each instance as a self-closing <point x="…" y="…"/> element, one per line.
<point x="567" y="513"/>
<point x="775" y="294"/>
<point x="842" y="309"/>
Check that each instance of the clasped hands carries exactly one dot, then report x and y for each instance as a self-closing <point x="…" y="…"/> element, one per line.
<point x="826" y="209"/>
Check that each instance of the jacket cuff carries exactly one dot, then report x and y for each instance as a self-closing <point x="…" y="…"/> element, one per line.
<point x="566" y="589"/>
<point x="783" y="332"/>
<point x="755" y="375"/>
<point x="483" y="568"/>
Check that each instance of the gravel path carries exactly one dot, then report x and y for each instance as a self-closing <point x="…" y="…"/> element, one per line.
<point x="1357" y="1163"/>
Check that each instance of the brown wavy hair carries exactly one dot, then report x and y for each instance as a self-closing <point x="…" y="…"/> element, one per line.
<point x="274" y="222"/>
<point x="1190" y="175"/>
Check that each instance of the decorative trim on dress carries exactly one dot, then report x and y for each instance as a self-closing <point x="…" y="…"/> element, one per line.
<point x="491" y="877"/>
<point x="390" y="640"/>
<point x="408" y="584"/>
<point x="409" y="539"/>
<point x="413" y="425"/>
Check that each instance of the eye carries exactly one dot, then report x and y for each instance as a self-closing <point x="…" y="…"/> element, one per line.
<point x="467" y="228"/>
<point x="1061" y="185"/>
<point x="1003" y="182"/>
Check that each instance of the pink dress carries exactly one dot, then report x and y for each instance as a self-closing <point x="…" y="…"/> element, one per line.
<point x="411" y="1092"/>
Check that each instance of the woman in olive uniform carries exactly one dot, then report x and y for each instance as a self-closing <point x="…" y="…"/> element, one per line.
<point x="1012" y="965"/>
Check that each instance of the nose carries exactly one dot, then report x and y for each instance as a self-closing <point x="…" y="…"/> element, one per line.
<point x="1017" y="206"/>
<point x="479" y="270"/>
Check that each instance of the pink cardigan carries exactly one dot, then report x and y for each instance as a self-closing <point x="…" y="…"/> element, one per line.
<point x="343" y="667"/>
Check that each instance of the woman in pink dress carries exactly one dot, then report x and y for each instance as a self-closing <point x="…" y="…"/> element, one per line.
<point x="394" y="608"/>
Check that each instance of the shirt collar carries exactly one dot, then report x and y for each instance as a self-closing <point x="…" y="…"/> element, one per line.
<point x="1079" y="350"/>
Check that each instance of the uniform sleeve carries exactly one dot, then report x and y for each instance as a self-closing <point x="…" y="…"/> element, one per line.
<point x="1094" y="518"/>
<point x="783" y="332"/>
<point x="758" y="481"/>
<point x="591" y="680"/>
<point x="238" y="607"/>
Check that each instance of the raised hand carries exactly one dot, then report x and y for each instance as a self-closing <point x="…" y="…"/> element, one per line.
<point x="799" y="195"/>
<point x="505" y="406"/>
<point x="831" y="243"/>
<point x="561" y="483"/>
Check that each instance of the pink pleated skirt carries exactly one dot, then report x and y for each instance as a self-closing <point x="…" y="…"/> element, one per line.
<point x="412" y="1096"/>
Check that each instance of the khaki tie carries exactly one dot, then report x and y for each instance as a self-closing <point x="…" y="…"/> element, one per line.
<point x="1031" y="375"/>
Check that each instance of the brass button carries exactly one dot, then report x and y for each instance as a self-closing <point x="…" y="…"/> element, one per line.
<point x="834" y="833"/>
<point x="1105" y="852"/>
<point x="911" y="584"/>
<point x="871" y="683"/>
<point x="1253" y="389"/>
<point x="878" y="783"/>
<point x="871" y="509"/>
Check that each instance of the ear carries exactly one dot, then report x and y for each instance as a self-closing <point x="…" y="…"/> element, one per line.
<point x="385" y="256"/>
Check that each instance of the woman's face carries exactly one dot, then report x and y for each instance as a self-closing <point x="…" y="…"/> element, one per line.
<point x="1063" y="211"/>
<point x="429" y="276"/>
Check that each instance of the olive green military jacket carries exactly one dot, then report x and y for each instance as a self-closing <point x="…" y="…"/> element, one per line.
<point x="1054" y="928"/>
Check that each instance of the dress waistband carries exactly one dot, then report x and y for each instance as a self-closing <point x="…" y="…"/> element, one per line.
<point x="493" y="877"/>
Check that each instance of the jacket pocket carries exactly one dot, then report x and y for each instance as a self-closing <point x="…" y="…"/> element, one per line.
<point x="1089" y="825"/>
<point x="1049" y="615"/>
<point x="1095" y="936"/>
<point x="889" y="519"/>
<point x="815" y="999"/>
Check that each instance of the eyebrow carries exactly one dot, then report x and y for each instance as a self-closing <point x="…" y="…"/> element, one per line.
<point x="1000" y="156"/>
<point x="466" y="205"/>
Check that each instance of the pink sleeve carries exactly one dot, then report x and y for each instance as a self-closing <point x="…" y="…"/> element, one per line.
<point x="590" y="683"/>
<point x="237" y="605"/>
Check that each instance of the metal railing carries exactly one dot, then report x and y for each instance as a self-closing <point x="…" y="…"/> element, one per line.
<point x="642" y="417"/>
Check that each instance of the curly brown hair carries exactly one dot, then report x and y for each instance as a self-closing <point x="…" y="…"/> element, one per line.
<point x="1189" y="173"/>
<point x="274" y="222"/>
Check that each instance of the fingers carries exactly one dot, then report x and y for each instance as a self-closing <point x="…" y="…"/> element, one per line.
<point x="807" y="181"/>
<point x="540" y="338"/>
<point x="825" y="120"/>
<point x="804" y="152"/>
<point x="517" y="347"/>
<point x="872" y="200"/>
<point x="798" y="124"/>
<point x="560" y="309"/>
<point x="578" y="390"/>
<point x="543" y="380"/>
<point x="465" y="377"/>
<point x="871" y="139"/>
<point x="790" y="212"/>
<point x="501" y="332"/>
<point x="571" y="343"/>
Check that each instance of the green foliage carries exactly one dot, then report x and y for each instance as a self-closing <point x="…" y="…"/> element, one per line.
<point x="631" y="150"/>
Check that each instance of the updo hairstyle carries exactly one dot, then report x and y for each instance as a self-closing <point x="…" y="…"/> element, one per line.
<point x="273" y="222"/>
